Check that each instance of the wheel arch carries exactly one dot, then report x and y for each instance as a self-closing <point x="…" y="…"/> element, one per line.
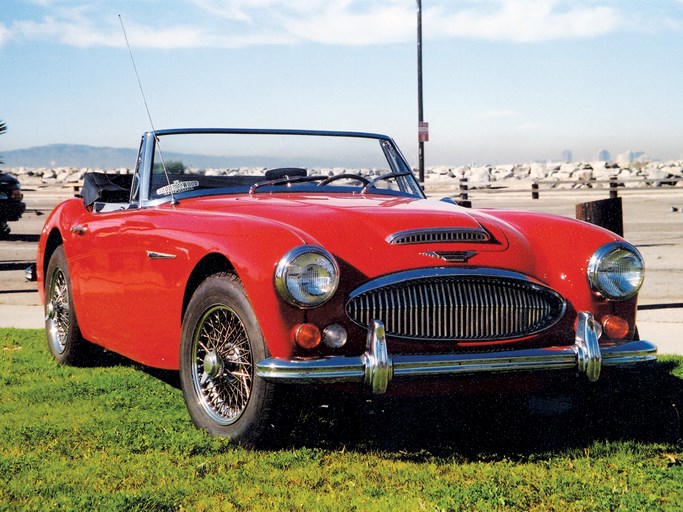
<point x="209" y="265"/>
<point x="54" y="240"/>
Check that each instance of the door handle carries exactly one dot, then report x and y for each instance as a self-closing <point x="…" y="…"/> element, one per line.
<point x="79" y="230"/>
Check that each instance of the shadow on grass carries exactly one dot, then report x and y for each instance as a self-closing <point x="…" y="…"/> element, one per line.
<point x="97" y="357"/>
<point x="644" y="406"/>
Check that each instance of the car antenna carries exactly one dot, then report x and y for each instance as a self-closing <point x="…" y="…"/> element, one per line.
<point x="174" y="201"/>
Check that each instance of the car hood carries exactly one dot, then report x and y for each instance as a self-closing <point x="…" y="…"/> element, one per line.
<point x="359" y="229"/>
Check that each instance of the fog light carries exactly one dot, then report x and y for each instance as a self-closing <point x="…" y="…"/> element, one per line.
<point x="615" y="327"/>
<point x="334" y="336"/>
<point x="307" y="336"/>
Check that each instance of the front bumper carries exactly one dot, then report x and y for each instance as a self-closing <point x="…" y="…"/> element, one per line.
<point x="376" y="369"/>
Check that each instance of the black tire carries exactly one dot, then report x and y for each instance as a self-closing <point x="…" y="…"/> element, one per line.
<point x="220" y="346"/>
<point x="63" y="334"/>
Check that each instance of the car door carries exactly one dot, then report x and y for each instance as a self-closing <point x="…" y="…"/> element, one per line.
<point x="130" y="283"/>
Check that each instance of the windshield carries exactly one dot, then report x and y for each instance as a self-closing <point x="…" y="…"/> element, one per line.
<point x="202" y="162"/>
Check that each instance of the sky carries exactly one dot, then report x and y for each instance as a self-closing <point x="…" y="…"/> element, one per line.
<point x="504" y="81"/>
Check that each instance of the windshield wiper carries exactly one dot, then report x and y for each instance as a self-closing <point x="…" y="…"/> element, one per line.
<point x="284" y="181"/>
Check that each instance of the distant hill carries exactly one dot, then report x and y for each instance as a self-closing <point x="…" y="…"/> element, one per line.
<point x="70" y="155"/>
<point x="81" y="156"/>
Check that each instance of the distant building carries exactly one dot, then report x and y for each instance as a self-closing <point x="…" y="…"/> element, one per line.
<point x="567" y="156"/>
<point x="627" y="158"/>
<point x="604" y="156"/>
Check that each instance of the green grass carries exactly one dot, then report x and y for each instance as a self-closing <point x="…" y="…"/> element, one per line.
<point x="116" y="436"/>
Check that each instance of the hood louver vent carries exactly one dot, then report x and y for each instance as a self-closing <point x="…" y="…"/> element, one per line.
<point x="444" y="235"/>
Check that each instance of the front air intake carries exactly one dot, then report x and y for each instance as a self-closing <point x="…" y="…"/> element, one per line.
<point x="456" y="305"/>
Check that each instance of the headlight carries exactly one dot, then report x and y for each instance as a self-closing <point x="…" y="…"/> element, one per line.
<point x="307" y="276"/>
<point x="616" y="271"/>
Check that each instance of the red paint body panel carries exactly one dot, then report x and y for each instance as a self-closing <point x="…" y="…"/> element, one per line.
<point x="133" y="304"/>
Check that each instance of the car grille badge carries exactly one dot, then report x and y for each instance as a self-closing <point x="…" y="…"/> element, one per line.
<point x="451" y="256"/>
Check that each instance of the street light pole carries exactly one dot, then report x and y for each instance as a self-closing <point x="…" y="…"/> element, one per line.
<point x="420" y="112"/>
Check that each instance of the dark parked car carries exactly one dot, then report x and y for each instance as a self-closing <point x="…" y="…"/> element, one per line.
<point x="11" y="204"/>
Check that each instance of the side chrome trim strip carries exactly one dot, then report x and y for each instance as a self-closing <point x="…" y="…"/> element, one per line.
<point x="375" y="368"/>
<point x="160" y="256"/>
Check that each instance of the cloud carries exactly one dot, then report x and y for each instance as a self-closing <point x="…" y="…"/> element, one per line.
<point x="236" y="23"/>
<point x="359" y="22"/>
<point x="72" y="26"/>
<point x="93" y="25"/>
<point x="525" y="21"/>
<point x="341" y="23"/>
<point x="251" y="11"/>
<point x="62" y="31"/>
<point x="4" y="35"/>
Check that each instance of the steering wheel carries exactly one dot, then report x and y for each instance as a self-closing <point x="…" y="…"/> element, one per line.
<point x="356" y="177"/>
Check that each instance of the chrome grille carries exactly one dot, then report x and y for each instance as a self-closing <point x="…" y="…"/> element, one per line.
<point x="456" y="305"/>
<point x="425" y="236"/>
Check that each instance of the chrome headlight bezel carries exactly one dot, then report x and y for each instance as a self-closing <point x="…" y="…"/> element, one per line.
<point x="297" y="282"/>
<point x="616" y="271"/>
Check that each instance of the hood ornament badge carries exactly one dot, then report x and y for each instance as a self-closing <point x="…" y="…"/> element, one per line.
<point x="451" y="256"/>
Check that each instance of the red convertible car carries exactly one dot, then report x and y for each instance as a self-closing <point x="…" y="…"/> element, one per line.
<point x="253" y="259"/>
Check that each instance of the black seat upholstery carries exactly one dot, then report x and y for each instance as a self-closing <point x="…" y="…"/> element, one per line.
<point x="108" y="188"/>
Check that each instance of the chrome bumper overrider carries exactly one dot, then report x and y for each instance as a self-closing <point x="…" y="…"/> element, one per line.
<point x="376" y="368"/>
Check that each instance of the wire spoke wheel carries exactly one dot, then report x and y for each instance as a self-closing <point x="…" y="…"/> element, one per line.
<point x="61" y="325"/>
<point x="222" y="372"/>
<point x="220" y="346"/>
<point x="57" y="312"/>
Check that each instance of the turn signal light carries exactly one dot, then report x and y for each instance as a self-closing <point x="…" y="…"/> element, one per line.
<point x="615" y="327"/>
<point x="307" y="336"/>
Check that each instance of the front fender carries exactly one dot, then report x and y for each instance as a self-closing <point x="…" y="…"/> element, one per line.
<point x="561" y="249"/>
<point x="253" y="246"/>
<point x="56" y="230"/>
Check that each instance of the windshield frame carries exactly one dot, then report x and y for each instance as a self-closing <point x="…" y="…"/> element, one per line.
<point x="396" y="162"/>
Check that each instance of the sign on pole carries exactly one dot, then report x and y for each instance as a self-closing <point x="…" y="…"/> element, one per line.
<point x="422" y="131"/>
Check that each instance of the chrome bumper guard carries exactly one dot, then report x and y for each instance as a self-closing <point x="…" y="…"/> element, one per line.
<point x="376" y="369"/>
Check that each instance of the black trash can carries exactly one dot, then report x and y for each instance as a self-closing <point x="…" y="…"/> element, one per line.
<point x="606" y="213"/>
